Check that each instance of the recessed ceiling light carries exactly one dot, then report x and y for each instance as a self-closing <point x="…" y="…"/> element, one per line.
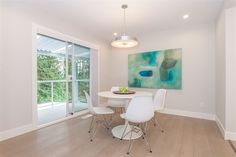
<point x="115" y="34"/>
<point x="186" y="16"/>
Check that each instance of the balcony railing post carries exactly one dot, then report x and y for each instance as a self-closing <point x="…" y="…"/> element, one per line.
<point x="52" y="92"/>
<point x="51" y="82"/>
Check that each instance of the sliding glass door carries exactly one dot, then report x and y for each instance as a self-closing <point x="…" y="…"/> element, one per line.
<point x="82" y="76"/>
<point x="63" y="70"/>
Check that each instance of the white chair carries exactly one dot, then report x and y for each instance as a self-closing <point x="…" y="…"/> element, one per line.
<point x="139" y="111"/>
<point x="116" y="102"/>
<point x="97" y="111"/>
<point x="159" y="104"/>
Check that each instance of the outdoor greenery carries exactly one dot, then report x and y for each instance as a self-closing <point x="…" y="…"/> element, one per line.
<point x="53" y="68"/>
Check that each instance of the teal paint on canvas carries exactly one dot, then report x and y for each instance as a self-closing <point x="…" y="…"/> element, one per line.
<point x="156" y="69"/>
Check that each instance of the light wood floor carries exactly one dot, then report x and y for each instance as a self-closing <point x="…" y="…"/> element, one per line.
<point x="233" y="143"/>
<point x="184" y="137"/>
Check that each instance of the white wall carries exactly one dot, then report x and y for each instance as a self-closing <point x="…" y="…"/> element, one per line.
<point x="225" y="73"/>
<point x="1" y="60"/>
<point x="230" y="49"/>
<point x="220" y="66"/>
<point x="198" y="56"/>
<point x="17" y="62"/>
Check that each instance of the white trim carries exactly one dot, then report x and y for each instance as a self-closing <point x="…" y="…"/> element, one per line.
<point x="28" y="128"/>
<point x="226" y="134"/>
<point x="220" y="126"/>
<point x="230" y="118"/>
<point x="76" y="114"/>
<point x="15" y="132"/>
<point x="99" y="83"/>
<point x="49" y="32"/>
<point x="61" y="36"/>
<point x="230" y="136"/>
<point x="34" y="77"/>
<point x="97" y="51"/>
<point x="191" y="114"/>
<point x="73" y="77"/>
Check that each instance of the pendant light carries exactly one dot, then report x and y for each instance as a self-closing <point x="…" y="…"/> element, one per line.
<point x="124" y="41"/>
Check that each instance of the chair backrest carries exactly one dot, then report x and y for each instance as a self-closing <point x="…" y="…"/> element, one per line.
<point x="89" y="102"/>
<point x="114" y="88"/>
<point x="159" y="99"/>
<point x="116" y="102"/>
<point x="140" y="109"/>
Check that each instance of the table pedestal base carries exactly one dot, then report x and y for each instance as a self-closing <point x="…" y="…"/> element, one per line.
<point x="118" y="132"/>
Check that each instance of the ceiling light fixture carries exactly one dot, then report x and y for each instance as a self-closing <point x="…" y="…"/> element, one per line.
<point x="186" y="16"/>
<point x="124" y="41"/>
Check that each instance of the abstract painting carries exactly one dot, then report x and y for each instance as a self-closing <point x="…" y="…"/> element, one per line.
<point x="156" y="69"/>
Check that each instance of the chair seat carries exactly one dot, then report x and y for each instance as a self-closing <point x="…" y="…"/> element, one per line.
<point x="134" y="120"/>
<point x="122" y="115"/>
<point x="116" y="105"/>
<point x="157" y="109"/>
<point x="104" y="104"/>
<point x="111" y="105"/>
<point x="103" y="110"/>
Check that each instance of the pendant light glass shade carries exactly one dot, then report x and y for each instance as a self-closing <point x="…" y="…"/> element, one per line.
<point x="124" y="41"/>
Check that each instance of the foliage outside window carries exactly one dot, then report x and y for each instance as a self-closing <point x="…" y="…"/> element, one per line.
<point x="53" y="68"/>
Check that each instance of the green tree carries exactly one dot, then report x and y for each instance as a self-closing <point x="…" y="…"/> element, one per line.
<point x="51" y="68"/>
<point x="54" y="68"/>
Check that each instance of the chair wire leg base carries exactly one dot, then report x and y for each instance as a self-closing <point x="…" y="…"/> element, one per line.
<point x="94" y="124"/>
<point x="91" y="124"/>
<point x="94" y="132"/>
<point x="130" y="141"/>
<point x="136" y="130"/>
<point x="123" y="134"/>
<point x="107" y="125"/>
<point x="147" y="143"/>
<point x="156" y="123"/>
<point x="111" y="121"/>
<point x="145" y="128"/>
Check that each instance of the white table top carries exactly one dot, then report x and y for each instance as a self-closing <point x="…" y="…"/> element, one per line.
<point x="109" y="94"/>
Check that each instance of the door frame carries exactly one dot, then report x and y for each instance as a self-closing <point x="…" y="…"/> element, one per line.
<point x="36" y="29"/>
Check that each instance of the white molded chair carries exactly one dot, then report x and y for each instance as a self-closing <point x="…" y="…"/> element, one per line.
<point x="139" y="111"/>
<point x="116" y="102"/>
<point x="97" y="111"/>
<point x="159" y="104"/>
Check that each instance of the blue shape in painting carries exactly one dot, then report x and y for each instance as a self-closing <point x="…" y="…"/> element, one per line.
<point x="151" y="58"/>
<point x="146" y="73"/>
<point x="170" y="76"/>
<point x="137" y="82"/>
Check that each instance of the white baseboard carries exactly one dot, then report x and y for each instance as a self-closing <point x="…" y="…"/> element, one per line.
<point x="15" y="132"/>
<point x="198" y="115"/>
<point x="226" y="134"/>
<point x="27" y="128"/>
<point x="220" y="126"/>
<point x="230" y="136"/>
<point x="63" y="119"/>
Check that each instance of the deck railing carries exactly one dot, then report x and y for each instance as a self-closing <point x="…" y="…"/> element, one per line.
<point x="52" y="82"/>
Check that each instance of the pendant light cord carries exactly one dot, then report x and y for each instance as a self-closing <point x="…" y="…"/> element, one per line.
<point x="124" y="6"/>
<point x="124" y="22"/>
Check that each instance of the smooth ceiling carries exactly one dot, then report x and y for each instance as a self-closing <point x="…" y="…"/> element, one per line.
<point x="104" y="17"/>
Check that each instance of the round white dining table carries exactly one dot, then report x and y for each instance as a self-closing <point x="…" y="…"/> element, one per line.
<point x="118" y="131"/>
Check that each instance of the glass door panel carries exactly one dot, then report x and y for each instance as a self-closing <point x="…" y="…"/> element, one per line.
<point x="82" y="76"/>
<point x="63" y="70"/>
<point x="51" y="79"/>
<point x="70" y="51"/>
